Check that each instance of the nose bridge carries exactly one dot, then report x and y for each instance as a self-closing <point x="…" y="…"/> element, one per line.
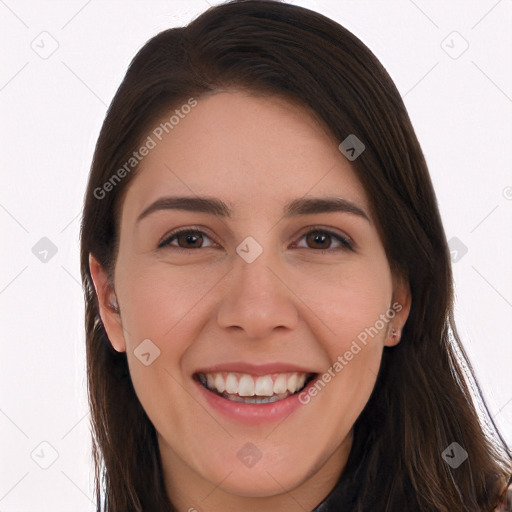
<point x="256" y="299"/>
<point x="253" y="269"/>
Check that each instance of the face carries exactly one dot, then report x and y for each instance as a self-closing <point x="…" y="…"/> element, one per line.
<point x="252" y="304"/>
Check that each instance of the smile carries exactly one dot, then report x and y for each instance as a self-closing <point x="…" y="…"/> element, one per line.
<point x="255" y="389"/>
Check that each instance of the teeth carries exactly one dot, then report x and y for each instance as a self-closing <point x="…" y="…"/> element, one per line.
<point x="264" y="386"/>
<point x="280" y="385"/>
<point x="220" y="386"/>
<point x="231" y="384"/>
<point x="292" y="383"/>
<point x="245" y="385"/>
<point x="258" y="400"/>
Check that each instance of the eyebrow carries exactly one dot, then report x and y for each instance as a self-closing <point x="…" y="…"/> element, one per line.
<point x="217" y="207"/>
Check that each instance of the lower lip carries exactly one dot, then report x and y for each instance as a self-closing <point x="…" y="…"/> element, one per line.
<point x="253" y="414"/>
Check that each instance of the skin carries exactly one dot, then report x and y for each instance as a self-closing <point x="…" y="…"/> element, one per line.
<point x="295" y="303"/>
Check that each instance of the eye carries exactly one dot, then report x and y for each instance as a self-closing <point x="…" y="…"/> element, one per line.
<point x="322" y="238"/>
<point x="191" y="238"/>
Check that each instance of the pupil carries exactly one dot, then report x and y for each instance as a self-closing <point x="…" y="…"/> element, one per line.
<point x="318" y="239"/>
<point x="190" y="239"/>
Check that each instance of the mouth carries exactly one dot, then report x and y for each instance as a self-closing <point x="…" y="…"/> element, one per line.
<point x="254" y="389"/>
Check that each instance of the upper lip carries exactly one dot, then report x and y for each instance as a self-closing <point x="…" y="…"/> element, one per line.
<point x="254" y="369"/>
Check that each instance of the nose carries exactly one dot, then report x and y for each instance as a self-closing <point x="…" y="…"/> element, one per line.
<point x="257" y="299"/>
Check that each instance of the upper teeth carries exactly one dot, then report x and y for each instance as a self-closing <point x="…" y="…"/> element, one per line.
<point x="245" y="384"/>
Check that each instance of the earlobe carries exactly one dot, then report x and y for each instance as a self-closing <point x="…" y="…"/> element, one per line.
<point x="107" y="305"/>
<point x="401" y="305"/>
<point x="395" y="336"/>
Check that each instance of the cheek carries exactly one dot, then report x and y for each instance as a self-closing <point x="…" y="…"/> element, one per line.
<point x="165" y="304"/>
<point x="350" y="300"/>
<point x="162" y="304"/>
<point x="160" y="301"/>
<point x="353" y="309"/>
<point x="351" y="303"/>
<point x="158" y="305"/>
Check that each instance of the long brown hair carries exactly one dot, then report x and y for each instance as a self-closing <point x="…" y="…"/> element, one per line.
<point x="426" y="396"/>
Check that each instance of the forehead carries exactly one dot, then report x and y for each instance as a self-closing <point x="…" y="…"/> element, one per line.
<point x="249" y="150"/>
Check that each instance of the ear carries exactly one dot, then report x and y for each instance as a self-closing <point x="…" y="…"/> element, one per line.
<point x="107" y="304"/>
<point x="401" y="305"/>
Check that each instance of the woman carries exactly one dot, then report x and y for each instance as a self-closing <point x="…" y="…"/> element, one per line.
<point x="269" y="300"/>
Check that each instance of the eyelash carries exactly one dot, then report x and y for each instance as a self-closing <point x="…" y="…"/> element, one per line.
<point x="345" y="242"/>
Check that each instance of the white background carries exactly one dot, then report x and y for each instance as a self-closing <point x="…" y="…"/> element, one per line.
<point x="52" y="110"/>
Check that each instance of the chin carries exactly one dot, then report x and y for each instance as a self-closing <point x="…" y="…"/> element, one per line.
<point x="256" y="484"/>
<point x="263" y="479"/>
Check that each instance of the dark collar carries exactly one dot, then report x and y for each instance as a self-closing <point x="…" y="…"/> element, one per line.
<point x="335" y="499"/>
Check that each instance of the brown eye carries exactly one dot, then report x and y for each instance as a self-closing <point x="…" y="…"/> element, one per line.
<point x="186" y="239"/>
<point x="319" y="240"/>
<point x="189" y="238"/>
<point x="322" y="239"/>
